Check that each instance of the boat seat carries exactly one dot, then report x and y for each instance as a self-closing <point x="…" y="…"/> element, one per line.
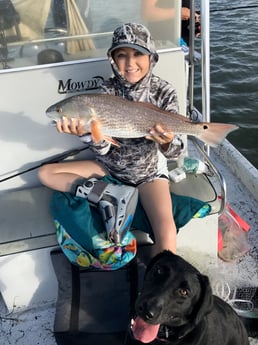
<point x="199" y="187"/>
<point x="26" y="223"/>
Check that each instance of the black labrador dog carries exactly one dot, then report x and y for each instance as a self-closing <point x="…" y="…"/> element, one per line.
<point x="176" y="306"/>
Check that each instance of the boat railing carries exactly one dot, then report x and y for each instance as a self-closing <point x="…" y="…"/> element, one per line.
<point x="205" y="70"/>
<point x="63" y="36"/>
<point x="214" y="172"/>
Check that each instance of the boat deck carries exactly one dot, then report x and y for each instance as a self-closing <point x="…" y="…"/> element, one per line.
<point x="35" y="326"/>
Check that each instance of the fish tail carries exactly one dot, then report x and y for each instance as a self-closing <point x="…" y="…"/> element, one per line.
<point x="97" y="135"/>
<point x="214" y="133"/>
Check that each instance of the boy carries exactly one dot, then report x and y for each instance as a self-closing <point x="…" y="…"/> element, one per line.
<point x="141" y="162"/>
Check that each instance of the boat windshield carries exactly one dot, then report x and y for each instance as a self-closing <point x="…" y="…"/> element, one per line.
<point x="36" y="32"/>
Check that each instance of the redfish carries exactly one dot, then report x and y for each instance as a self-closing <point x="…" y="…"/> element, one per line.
<point x="107" y="117"/>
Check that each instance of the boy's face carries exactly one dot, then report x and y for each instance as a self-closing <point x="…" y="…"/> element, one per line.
<point x="132" y="64"/>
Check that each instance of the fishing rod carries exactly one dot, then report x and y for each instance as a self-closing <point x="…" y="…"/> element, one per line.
<point x="55" y="159"/>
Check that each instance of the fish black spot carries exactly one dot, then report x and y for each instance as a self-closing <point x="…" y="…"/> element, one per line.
<point x="205" y="127"/>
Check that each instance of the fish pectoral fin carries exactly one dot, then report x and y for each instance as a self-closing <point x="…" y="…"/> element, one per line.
<point x="111" y="140"/>
<point x="95" y="130"/>
<point x="97" y="135"/>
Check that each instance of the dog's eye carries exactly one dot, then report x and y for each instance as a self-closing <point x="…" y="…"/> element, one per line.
<point x="183" y="292"/>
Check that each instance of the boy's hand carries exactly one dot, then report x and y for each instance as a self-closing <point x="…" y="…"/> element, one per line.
<point x="73" y="126"/>
<point x="158" y="133"/>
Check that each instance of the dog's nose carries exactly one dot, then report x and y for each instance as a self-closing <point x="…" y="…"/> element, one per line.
<point x="149" y="314"/>
<point x="147" y="310"/>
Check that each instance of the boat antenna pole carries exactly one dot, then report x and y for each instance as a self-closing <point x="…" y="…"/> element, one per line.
<point x="205" y="69"/>
<point x="205" y="47"/>
<point x="191" y="58"/>
<point x="205" y="61"/>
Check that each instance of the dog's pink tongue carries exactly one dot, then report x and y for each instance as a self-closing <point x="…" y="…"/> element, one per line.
<point x="143" y="331"/>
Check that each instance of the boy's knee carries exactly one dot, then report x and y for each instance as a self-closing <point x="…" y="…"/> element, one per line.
<point x="43" y="173"/>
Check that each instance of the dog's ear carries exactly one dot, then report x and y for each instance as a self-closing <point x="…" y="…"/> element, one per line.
<point x="165" y="255"/>
<point x="205" y="303"/>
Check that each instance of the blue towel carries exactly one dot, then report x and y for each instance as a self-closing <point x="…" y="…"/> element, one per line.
<point x="82" y="235"/>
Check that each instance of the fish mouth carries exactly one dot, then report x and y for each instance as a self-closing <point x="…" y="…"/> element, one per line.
<point x="50" y="111"/>
<point x="50" y="108"/>
<point x="51" y="114"/>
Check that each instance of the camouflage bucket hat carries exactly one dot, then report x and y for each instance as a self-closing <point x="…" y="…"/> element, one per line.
<point x="134" y="36"/>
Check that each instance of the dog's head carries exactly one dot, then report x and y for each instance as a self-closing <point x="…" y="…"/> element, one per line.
<point x="174" y="294"/>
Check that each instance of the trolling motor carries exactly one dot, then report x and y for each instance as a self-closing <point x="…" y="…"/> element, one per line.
<point x="116" y="204"/>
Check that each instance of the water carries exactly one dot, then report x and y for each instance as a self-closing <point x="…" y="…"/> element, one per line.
<point x="234" y="71"/>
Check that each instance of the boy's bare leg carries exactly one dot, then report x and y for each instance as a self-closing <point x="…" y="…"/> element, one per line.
<point x="156" y="201"/>
<point x="62" y="176"/>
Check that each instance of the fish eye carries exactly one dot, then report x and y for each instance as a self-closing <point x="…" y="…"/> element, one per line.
<point x="59" y="110"/>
